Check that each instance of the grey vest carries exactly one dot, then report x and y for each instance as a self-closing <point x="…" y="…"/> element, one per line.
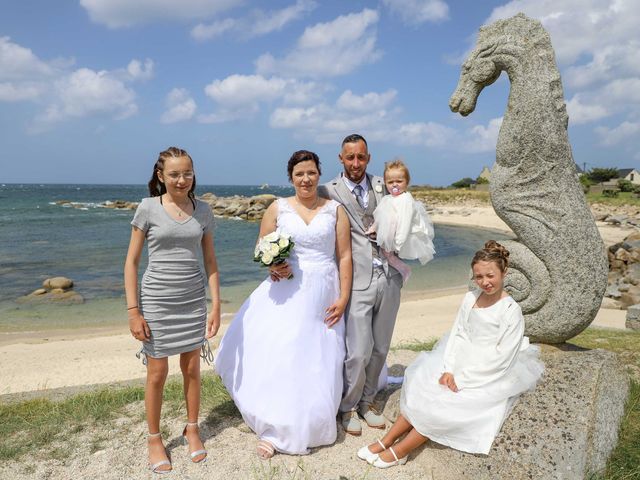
<point x="366" y="214"/>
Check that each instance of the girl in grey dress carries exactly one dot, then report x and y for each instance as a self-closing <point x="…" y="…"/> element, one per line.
<point x="169" y="314"/>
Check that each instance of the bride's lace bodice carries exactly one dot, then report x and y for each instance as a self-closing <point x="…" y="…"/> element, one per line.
<point x="315" y="242"/>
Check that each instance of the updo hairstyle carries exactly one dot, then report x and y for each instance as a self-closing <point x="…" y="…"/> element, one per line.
<point x="299" y="157"/>
<point x="492" y="252"/>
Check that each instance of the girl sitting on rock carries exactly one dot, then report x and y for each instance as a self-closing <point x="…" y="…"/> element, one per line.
<point x="460" y="393"/>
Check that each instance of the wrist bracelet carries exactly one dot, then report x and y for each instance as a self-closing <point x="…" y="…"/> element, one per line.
<point x="131" y="308"/>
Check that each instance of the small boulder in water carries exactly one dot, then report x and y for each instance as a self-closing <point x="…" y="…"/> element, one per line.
<point x="58" y="282"/>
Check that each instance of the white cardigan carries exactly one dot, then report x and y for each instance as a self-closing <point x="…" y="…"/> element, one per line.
<point x="474" y="365"/>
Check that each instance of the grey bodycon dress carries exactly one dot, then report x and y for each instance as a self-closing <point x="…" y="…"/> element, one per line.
<point x="172" y="293"/>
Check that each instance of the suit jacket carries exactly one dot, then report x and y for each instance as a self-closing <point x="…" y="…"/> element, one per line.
<point x="361" y="253"/>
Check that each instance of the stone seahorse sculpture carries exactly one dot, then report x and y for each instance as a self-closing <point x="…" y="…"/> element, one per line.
<point x="559" y="269"/>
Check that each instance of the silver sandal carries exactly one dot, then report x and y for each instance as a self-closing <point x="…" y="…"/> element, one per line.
<point x="154" y="467"/>
<point x="186" y="442"/>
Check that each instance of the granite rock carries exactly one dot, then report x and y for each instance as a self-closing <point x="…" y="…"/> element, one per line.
<point x="633" y="317"/>
<point x="56" y="296"/>
<point x="565" y="429"/>
<point x="58" y="282"/>
<point x="558" y="270"/>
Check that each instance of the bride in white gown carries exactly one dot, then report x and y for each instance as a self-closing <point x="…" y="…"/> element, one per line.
<point x="282" y="357"/>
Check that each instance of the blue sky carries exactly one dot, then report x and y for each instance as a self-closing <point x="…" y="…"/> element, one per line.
<point x="92" y="90"/>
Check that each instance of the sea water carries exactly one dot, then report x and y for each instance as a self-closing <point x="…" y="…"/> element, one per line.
<point x="41" y="238"/>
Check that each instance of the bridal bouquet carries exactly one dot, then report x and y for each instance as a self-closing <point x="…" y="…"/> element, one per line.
<point x="273" y="249"/>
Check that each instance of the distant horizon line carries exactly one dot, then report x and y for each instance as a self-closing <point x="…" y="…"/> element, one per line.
<point x="3" y="184"/>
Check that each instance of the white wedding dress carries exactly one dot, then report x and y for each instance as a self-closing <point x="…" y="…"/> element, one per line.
<point x="279" y="361"/>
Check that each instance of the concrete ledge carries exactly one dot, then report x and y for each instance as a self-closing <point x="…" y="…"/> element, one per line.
<point x="565" y="429"/>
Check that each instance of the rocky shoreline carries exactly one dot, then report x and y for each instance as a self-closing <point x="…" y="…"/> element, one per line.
<point x="253" y="208"/>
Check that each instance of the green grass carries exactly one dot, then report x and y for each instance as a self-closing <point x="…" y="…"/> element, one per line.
<point x="416" y="345"/>
<point x="452" y="195"/>
<point x="624" y="463"/>
<point x="623" y="198"/>
<point x="50" y="427"/>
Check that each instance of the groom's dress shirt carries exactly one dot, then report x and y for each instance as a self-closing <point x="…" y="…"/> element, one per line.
<point x="365" y="188"/>
<point x="364" y="184"/>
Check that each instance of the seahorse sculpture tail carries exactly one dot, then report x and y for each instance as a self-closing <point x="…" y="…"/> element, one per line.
<point x="558" y="271"/>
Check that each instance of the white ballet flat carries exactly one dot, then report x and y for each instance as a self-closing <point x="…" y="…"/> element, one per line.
<point x="378" y="462"/>
<point x="367" y="455"/>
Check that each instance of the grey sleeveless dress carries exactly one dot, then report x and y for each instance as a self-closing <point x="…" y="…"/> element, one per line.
<point x="172" y="293"/>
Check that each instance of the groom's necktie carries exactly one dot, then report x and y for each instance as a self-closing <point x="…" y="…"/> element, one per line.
<point x="358" y="191"/>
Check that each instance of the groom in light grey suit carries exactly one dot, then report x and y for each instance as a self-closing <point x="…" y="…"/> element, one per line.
<point x="375" y="294"/>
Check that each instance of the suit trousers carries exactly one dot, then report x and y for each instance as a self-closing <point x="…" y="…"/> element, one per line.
<point x="370" y="318"/>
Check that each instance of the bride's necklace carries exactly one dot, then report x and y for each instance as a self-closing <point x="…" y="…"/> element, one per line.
<point x="315" y="204"/>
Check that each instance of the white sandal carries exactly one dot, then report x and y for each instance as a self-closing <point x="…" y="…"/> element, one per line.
<point x="367" y="455"/>
<point x="154" y="467"/>
<point x="378" y="462"/>
<point x="266" y="447"/>
<point x="186" y="442"/>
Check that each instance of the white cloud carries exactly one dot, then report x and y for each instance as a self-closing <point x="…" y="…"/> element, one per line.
<point x="267" y="22"/>
<point x="86" y="92"/>
<point x="11" y="92"/>
<point x="245" y="89"/>
<point x="415" y="12"/>
<point x="180" y="106"/>
<point x="369" y="101"/>
<point x="324" y="123"/>
<point x="619" y="96"/>
<point x="614" y="136"/>
<point x="374" y="115"/>
<point x="126" y="13"/>
<point x="18" y="62"/>
<point x="581" y="112"/>
<point x="257" y="23"/>
<point x="138" y="71"/>
<point x="482" y="139"/>
<point x="429" y="134"/>
<point x="607" y="63"/>
<point x="202" y="32"/>
<point x="476" y="139"/>
<point x="240" y="96"/>
<point x="328" y="49"/>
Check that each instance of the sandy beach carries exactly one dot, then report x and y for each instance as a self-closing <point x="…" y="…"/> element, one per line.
<point x="43" y="360"/>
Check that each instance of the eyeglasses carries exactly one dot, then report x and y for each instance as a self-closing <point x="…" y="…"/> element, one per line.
<point x="351" y="156"/>
<point x="176" y="175"/>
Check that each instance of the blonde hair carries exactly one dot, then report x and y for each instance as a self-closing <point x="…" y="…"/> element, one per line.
<point x="397" y="163"/>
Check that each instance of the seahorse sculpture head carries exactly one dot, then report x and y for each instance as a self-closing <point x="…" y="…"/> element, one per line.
<point x="478" y="71"/>
<point x="558" y="267"/>
<point x="506" y="45"/>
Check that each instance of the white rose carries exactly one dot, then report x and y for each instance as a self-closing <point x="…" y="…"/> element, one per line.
<point x="267" y="258"/>
<point x="264" y="246"/>
<point x="378" y="188"/>
<point x="275" y="249"/>
<point x="283" y="242"/>
<point x="272" y="237"/>
<point x="256" y="252"/>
